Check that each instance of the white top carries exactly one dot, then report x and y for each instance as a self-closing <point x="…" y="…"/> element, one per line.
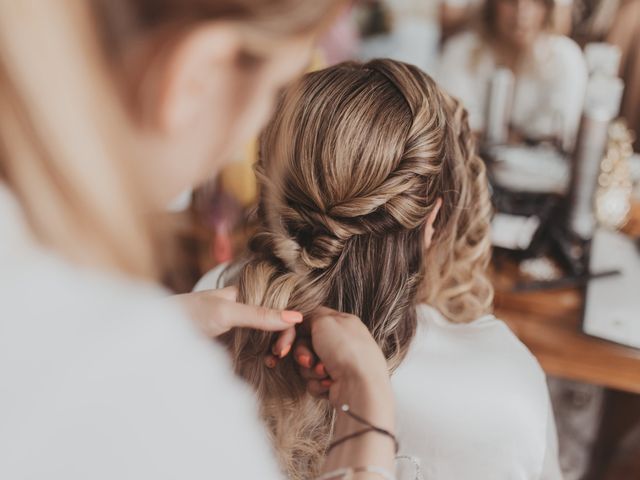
<point x="102" y="379"/>
<point x="549" y="90"/>
<point x="472" y="402"/>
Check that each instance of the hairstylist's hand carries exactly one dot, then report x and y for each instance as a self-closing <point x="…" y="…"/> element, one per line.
<point x="342" y="358"/>
<point x="217" y="312"/>
<point x="357" y="376"/>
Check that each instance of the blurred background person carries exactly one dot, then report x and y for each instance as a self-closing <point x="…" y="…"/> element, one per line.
<point x="549" y="70"/>
<point x="458" y="15"/>
<point x="625" y="34"/>
<point x="592" y="19"/>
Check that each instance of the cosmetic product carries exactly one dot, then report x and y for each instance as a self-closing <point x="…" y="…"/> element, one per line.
<point x="498" y="113"/>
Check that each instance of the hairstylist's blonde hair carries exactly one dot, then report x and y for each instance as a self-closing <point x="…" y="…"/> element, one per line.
<point x="350" y="169"/>
<point x="64" y="146"/>
<point x="63" y="151"/>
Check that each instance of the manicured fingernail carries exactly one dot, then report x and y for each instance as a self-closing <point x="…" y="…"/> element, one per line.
<point x="270" y="362"/>
<point x="326" y="383"/>
<point x="290" y="316"/>
<point x="304" y="360"/>
<point x="320" y="370"/>
<point x="284" y="351"/>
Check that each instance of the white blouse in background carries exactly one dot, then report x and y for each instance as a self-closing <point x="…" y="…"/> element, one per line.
<point x="472" y="402"/>
<point x="549" y="89"/>
<point x="102" y="379"/>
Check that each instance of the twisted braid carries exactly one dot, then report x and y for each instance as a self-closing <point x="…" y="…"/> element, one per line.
<point x="350" y="169"/>
<point x="456" y="280"/>
<point x="399" y="201"/>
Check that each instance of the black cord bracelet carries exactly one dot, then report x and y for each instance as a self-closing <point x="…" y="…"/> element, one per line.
<point x="371" y="428"/>
<point x="349" y="437"/>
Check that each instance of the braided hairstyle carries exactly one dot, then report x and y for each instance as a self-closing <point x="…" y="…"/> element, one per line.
<point x="350" y="168"/>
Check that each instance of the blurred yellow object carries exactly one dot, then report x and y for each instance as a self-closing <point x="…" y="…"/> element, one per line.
<point x="317" y="62"/>
<point x="237" y="179"/>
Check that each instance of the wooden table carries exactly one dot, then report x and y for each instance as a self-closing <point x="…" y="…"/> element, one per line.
<point x="549" y="324"/>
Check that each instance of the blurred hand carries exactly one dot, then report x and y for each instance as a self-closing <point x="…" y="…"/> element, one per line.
<point x="217" y="312"/>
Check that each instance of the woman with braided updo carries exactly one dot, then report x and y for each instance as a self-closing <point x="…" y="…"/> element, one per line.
<point x="373" y="202"/>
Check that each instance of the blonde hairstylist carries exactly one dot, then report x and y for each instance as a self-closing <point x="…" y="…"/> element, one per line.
<point x="98" y="377"/>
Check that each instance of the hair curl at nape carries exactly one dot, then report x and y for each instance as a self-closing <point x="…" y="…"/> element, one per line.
<point x="350" y="168"/>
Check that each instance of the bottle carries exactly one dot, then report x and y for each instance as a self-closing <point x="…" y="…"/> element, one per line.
<point x="602" y="105"/>
<point x="498" y="113"/>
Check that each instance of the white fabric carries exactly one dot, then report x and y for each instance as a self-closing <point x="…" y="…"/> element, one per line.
<point x="549" y="91"/>
<point x="472" y="402"/>
<point x="464" y="3"/>
<point x="612" y="304"/>
<point x="100" y="378"/>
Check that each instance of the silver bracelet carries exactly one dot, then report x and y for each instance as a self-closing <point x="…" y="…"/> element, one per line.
<point x="416" y="465"/>
<point x="347" y="473"/>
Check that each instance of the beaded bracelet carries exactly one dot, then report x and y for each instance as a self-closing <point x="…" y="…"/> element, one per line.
<point x="416" y="465"/>
<point x="348" y="473"/>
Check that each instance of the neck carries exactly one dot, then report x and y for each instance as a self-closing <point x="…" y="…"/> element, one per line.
<point x="507" y="55"/>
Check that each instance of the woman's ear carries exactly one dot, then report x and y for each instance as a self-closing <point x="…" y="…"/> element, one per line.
<point x="429" y="230"/>
<point x="194" y="73"/>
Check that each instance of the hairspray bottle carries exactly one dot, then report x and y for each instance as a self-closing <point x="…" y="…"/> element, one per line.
<point x="602" y="105"/>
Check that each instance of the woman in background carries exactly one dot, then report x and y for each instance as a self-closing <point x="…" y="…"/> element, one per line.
<point x="375" y="203"/>
<point x="99" y="376"/>
<point x="458" y="15"/>
<point x="549" y="70"/>
<point x="625" y="33"/>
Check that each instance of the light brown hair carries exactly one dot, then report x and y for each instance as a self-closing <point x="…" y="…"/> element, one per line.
<point x="350" y="169"/>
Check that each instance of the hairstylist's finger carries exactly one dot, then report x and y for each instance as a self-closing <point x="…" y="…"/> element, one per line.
<point x="270" y="361"/>
<point x="239" y="315"/>
<point x="311" y="374"/>
<point x="284" y="343"/>
<point x="227" y="293"/>
<point x="216" y="312"/>
<point x="318" y="315"/>
<point x="316" y="389"/>
<point x="303" y="353"/>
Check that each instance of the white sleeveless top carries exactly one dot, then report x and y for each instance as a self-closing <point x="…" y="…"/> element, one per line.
<point x="102" y="379"/>
<point x="472" y="402"/>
